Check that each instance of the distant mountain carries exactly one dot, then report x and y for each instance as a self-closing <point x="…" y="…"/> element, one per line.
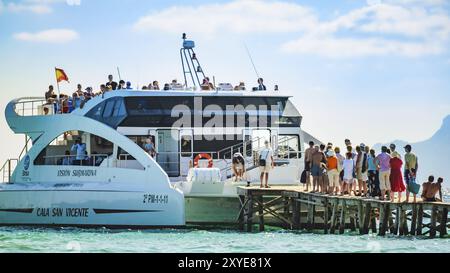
<point x="433" y="154"/>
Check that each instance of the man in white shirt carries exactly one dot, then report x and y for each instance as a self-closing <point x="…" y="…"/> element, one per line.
<point x="80" y="148"/>
<point x="266" y="163"/>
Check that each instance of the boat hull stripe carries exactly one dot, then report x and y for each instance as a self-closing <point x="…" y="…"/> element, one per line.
<point x="116" y="211"/>
<point x="17" y="210"/>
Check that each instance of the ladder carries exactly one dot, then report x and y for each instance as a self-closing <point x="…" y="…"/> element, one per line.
<point x="190" y="63"/>
<point x="10" y="164"/>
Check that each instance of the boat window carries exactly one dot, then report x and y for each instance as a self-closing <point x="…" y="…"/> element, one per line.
<point x="290" y="110"/>
<point x="289" y="146"/>
<point x="142" y="140"/>
<point x="110" y="112"/>
<point x="127" y="161"/>
<point x="98" y="110"/>
<point x="119" y="109"/>
<point x="186" y="146"/>
<point x="156" y="111"/>
<point x="109" y="108"/>
<point x="76" y="148"/>
<point x="220" y="146"/>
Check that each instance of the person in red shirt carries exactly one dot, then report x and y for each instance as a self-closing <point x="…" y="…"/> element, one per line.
<point x="396" y="177"/>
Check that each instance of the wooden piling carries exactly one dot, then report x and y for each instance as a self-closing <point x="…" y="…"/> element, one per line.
<point x="433" y="221"/>
<point x="241" y="212"/>
<point x="367" y="216"/>
<point x="250" y="213"/>
<point x="414" y="219"/>
<point x="384" y="208"/>
<point x="419" y="220"/>
<point x="325" y="216"/>
<point x="295" y="213"/>
<point x="310" y="215"/>
<point x="342" y="220"/>
<point x="404" y="225"/>
<point x="360" y="221"/>
<point x="334" y="213"/>
<point x="401" y="231"/>
<point x="261" y="212"/>
<point x="397" y="220"/>
<point x="391" y="224"/>
<point x="443" y="226"/>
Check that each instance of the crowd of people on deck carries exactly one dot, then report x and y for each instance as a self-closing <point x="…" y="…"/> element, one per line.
<point x="359" y="171"/>
<point x="66" y="104"/>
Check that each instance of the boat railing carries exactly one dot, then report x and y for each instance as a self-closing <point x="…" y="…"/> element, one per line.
<point x="34" y="106"/>
<point x="94" y="160"/>
<point x="254" y="144"/>
<point x="7" y="169"/>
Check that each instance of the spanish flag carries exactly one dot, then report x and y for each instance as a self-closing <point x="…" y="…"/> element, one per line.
<point x="61" y="75"/>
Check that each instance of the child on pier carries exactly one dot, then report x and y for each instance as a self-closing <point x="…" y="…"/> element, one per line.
<point x="348" y="166"/>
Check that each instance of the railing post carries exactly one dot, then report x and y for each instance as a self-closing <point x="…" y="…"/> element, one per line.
<point x="9" y="171"/>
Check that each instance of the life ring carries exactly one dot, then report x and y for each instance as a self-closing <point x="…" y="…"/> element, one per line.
<point x="203" y="156"/>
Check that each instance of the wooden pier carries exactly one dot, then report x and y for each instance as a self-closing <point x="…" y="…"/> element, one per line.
<point x="292" y="208"/>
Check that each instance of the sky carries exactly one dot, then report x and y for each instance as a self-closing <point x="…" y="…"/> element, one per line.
<point x="372" y="71"/>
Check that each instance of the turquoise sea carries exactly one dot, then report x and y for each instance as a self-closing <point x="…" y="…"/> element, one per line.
<point x="194" y="240"/>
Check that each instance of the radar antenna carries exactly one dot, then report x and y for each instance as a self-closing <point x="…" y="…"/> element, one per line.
<point x="190" y="62"/>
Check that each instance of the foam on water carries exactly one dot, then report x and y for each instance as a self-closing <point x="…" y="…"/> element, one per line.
<point x="193" y="240"/>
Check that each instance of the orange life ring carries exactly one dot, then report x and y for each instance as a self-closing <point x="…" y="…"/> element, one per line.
<point x="203" y="156"/>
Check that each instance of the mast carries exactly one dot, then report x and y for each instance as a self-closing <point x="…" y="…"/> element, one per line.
<point x="191" y="65"/>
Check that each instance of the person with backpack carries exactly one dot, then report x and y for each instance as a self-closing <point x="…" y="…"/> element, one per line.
<point x="410" y="173"/>
<point x="266" y="164"/>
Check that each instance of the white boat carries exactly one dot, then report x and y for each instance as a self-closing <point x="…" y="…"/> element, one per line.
<point x="121" y="185"/>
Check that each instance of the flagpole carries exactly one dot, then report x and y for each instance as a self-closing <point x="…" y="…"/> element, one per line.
<point x="59" y="92"/>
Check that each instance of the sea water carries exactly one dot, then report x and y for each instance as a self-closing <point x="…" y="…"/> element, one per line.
<point x="67" y="240"/>
<point x="205" y="241"/>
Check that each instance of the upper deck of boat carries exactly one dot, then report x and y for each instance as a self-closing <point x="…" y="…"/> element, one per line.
<point x="192" y="93"/>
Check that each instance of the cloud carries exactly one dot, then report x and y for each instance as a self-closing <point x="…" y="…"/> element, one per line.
<point x="379" y="29"/>
<point x="338" y="48"/>
<point x="410" y="2"/>
<point x="35" y="6"/>
<point x="397" y="27"/>
<point x="248" y="16"/>
<point x="55" y="36"/>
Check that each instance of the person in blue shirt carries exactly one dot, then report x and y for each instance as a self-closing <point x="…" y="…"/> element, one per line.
<point x="149" y="147"/>
<point x="67" y="159"/>
<point x="80" y="149"/>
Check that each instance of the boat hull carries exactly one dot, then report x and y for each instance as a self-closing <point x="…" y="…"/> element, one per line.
<point x="93" y="208"/>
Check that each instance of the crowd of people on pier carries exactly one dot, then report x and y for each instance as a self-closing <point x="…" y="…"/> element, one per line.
<point x="356" y="171"/>
<point x="66" y="104"/>
<point x="359" y="171"/>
